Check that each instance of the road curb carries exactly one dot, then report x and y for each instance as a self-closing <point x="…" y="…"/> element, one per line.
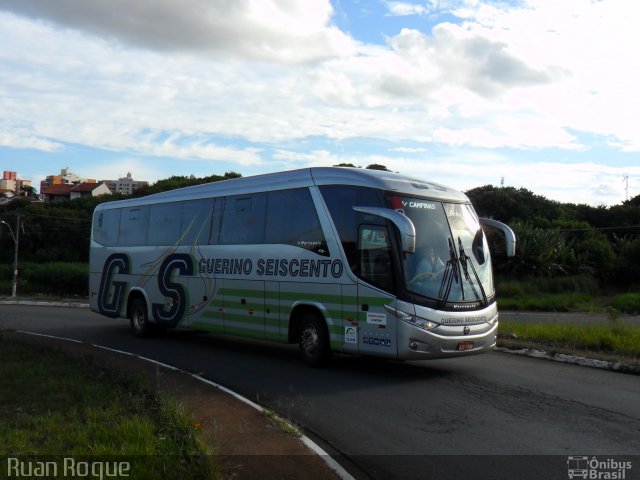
<point x="36" y="303"/>
<point x="571" y="359"/>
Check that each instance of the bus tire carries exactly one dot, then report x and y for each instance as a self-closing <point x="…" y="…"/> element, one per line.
<point x="314" y="340"/>
<point x="139" y="319"/>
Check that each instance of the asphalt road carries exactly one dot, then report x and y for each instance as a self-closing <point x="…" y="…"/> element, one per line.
<point x="490" y="416"/>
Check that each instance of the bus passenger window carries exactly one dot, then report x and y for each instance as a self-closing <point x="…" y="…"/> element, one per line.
<point x="195" y="222"/>
<point x="243" y="220"/>
<point x="105" y="230"/>
<point x="163" y="227"/>
<point x="134" y="224"/>
<point x="300" y="225"/>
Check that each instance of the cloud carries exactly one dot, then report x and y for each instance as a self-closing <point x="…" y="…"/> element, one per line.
<point x="426" y="7"/>
<point x="402" y="9"/>
<point x="467" y="59"/>
<point x="27" y="140"/>
<point x="289" y="31"/>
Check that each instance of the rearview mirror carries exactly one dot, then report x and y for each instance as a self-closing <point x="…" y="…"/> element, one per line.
<point x="402" y="222"/>
<point x="509" y="236"/>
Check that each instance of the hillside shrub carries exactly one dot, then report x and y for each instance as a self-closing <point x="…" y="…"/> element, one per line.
<point x="627" y="302"/>
<point x="54" y="278"/>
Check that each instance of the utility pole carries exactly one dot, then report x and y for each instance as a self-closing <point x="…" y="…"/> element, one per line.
<point x="16" y="242"/>
<point x="625" y="179"/>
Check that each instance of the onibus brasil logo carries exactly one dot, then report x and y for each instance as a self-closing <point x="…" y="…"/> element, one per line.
<point x="596" y="469"/>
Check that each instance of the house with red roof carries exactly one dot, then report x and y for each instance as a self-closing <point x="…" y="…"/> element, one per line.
<point x="61" y="192"/>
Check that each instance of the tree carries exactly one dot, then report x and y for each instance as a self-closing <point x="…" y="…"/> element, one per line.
<point x="634" y="202"/>
<point x="28" y="191"/>
<point x="509" y="205"/>
<point x="377" y="166"/>
<point x="175" y="181"/>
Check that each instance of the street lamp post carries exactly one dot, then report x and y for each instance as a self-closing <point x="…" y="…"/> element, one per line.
<point x="16" y="241"/>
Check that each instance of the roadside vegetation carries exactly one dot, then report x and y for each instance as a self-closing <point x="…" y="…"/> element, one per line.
<point x="52" y="404"/>
<point x="52" y="279"/>
<point x="615" y="338"/>
<point x="564" y="294"/>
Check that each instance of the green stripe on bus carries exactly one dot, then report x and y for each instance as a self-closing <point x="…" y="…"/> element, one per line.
<point x="256" y="307"/>
<point x="316" y="297"/>
<point x="241" y="292"/>
<point x="213" y="315"/>
<point x="216" y="302"/>
<point x="335" y="329"/>
<point x="248" y="319"/>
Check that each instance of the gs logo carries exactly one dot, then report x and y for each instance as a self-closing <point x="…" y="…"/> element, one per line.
<point x="174" y="292"/>
<point x="111" y="294"/>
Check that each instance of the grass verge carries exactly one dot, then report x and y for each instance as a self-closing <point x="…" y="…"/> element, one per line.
<point x="286" y="426"/>
<point x="54" y="405"/>
<point x="613" y="342"/>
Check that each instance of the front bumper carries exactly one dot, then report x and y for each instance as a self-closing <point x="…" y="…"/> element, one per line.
<point x="444" y="341"/>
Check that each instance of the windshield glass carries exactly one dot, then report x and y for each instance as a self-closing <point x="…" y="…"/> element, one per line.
<point x="451" y="262"/>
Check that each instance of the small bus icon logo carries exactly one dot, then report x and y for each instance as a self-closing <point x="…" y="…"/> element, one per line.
<point x="578" y="467"/>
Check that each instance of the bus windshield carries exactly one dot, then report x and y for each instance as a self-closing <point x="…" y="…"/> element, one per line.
<point x="451" y="263"/>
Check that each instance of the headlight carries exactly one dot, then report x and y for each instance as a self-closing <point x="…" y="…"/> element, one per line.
<point x="412" y="319"/>
<point x="423" y="323"/>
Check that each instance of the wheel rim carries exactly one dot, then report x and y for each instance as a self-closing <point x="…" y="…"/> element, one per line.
<point x="310" y="340"/>
<point x="138" y="319"/>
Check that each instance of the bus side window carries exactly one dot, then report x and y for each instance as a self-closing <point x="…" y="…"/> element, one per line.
<point x="374" y="255"/>
<point x="216" y="217"/>
<point x="105" y="229"/>
<point x="243" y="220"/>
<point x="300" y="225"/>
<point x="163" y="227"/>
<point x="196" y="222"/>
<point x="134" y="224"/>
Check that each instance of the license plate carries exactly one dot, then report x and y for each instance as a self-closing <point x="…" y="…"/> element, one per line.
<point x="462" y="346"/>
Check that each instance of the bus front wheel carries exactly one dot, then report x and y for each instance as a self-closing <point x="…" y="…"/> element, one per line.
<point x="138" y="318"/>
<point x="314" y="341"/>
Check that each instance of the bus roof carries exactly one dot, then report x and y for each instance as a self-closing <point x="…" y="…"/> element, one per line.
<point x="306" y="177"/>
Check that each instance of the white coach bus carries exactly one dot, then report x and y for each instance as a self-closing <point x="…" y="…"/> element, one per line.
<point x="335" y="259"/>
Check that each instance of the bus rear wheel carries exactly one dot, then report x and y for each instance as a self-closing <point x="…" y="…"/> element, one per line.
<point x="314" y="341"/>
<point x="138" y="318"/>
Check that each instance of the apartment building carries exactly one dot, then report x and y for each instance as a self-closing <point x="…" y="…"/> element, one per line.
<point x="66" y="177"/>
<point x="11" y="183"/>
<point x="126" y="185"/>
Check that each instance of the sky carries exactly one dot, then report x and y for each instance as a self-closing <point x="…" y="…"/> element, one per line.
<point x="535" y="94"/>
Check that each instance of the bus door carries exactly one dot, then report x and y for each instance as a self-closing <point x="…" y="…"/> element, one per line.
<point x="377" y="329"/>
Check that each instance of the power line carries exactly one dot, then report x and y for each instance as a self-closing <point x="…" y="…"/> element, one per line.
<point x="630" y="227"/>
<point x="55" y="217"/>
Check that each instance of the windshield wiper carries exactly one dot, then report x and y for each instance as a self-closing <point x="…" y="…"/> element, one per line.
<point x="450" y="272"/>
<point x="465" y="262"/>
